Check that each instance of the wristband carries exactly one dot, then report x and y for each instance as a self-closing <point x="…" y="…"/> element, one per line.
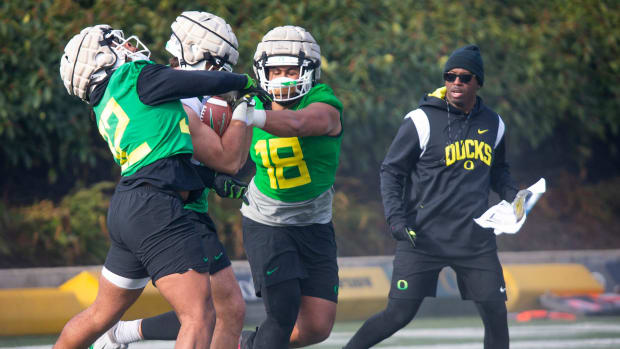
<point x="259" y="117"/>
<point x="239" y="113"/>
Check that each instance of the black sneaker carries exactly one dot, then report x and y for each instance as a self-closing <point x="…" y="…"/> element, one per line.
<point x="247" y="339"/>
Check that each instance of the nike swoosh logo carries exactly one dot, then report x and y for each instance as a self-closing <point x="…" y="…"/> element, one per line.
<point x="482" y="131"/>
<point x="502" y="289"/>
<point x="269" y="272"/>
<point x="219" y="256"/>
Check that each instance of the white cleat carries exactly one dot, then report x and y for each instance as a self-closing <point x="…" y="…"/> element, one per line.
<point x="108" y="341"/>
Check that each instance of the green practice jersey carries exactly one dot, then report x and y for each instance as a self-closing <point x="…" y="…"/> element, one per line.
<point x="200" y="205"/>
<point x="292" y="169"/>
<point x="139" y="134"/>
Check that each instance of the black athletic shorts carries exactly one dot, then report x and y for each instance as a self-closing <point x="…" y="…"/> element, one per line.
<point x="152" y="235"/>
<point x="307" y="253"/>
<point x="479" y="278"/>
<point x="218" y="259"/>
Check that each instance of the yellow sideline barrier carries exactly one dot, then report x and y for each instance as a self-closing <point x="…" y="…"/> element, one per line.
<point x="525" y="283"/>
<point x="47" y="310"/>
<point x="150" y="303"/>
<point x="36" y="310"/>
<point x="363" y="292"/>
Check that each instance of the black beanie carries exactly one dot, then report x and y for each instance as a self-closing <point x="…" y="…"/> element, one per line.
<point x="467" y="57"/>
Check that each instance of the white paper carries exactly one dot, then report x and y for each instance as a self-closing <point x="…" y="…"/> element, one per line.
<point x="502" y="218"/>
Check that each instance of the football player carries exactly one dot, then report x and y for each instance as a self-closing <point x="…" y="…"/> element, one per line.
<point x="288" y="234"/>
<point x="287" y="230"/>
<point x="202" y="41"/>
<point x="138" y="113"/>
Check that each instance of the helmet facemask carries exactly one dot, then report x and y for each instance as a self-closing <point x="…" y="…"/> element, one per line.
<point x="115" y="39"/>
<point x="141" y="52"/>
<point x="284" y="89"/>
<point x="288" y="46"/>
<point x="93" y="54"/>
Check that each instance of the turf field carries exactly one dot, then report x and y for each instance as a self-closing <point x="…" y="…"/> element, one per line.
<point x="440" y="333"/>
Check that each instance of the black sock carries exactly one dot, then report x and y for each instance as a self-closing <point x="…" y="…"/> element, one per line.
<point x="282" y="303"/>
<point x="397" y="314"/>
<point x="495" y="319"/>
<point x="161" y="327"/>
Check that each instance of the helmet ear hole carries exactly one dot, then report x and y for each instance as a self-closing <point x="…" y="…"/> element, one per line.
<point x="102" y="59"/>
<point x="87" y="59"/>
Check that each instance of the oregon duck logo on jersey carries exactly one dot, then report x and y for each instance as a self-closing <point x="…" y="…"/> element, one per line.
<point x="470" y="149"/>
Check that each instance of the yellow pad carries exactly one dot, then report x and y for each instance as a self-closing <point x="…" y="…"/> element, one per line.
<point x="84" y="285"/>
<point x="36" y="310"/>
<point x="150" y="303"/>
<point x="363" y="292"/>
<point x="525" y="283"/>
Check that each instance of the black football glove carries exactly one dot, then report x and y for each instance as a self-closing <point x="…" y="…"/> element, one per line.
<point x="243" y="99"/>
<point x="252" y="89"/>
<point x="404" y="233"/>
<point x="229" y="187"/>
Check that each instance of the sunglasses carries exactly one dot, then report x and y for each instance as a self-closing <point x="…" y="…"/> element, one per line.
<point x="451" y="77"/>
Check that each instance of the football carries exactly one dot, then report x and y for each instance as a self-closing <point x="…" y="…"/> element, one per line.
<point x="216" y="113"/>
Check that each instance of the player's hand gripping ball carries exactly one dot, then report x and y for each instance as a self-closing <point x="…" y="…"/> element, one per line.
<point x="217" y="113"/>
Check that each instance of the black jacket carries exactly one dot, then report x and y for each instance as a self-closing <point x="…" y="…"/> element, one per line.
<point x="438" y="172"/>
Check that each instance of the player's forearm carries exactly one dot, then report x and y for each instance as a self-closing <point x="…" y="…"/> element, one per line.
<point x="158" y="84"/>
<point x="225" y="154"/>
<point x="235" y="146"/>
<point x="318" y="119"/>
<point x="246" y="146"/>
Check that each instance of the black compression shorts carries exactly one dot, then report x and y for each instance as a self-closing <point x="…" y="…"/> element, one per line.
<point x="152" y="235"/>
<point x="218" y="259"/>
<point x="278" y="254"/>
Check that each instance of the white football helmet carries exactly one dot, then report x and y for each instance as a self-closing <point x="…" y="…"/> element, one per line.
<point x="288" y="46"/>
<point x="201" y="37"/>
<point x="93" y="53"/>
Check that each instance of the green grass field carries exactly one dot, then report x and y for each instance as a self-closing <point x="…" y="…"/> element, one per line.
<point x="439" y="333"/>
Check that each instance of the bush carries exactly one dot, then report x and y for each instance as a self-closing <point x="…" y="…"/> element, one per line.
<point x="551" y="71"/>
<point x="571" y="216"/>
<point x="72" y="232"/>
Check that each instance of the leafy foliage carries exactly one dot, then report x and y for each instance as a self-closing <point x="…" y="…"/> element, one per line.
<point x="551" y="71"/>
<point x="73" y="232"/>
<point x="571" y="216"/>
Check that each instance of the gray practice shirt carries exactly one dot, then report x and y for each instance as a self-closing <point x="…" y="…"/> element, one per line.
<point x="266" y="210"/>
